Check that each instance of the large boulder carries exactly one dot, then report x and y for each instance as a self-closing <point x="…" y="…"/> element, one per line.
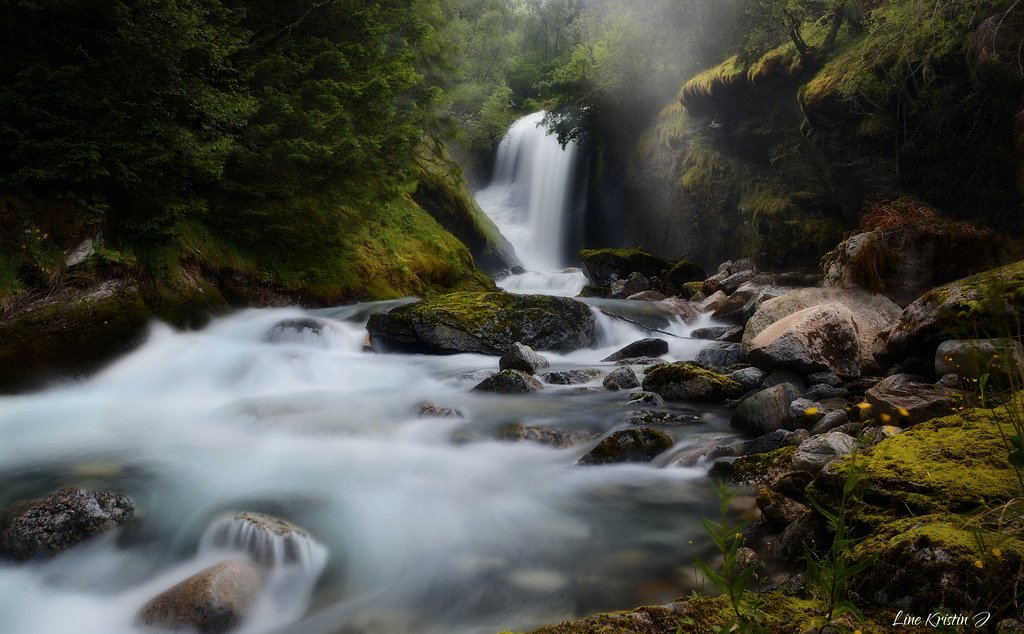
<point x="640" y="444"/>
<point x="487" y="323"/>
<point x="819" y="338"/>
<point x="213" y="600"/>
<point x="765" y="411"/>
<point x="604" y="266"/>
<point x="68" y="517"/>
<point x="974" y="358"/>
<point x="690" y="382"/>
<point x="987" y="304"/>
<point x="874" y="315"/>
<point x="907" y="401"/>
<point x="523" y="358"/>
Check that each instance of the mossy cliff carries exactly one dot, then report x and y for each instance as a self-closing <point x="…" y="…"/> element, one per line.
<point x="774" y="152"/>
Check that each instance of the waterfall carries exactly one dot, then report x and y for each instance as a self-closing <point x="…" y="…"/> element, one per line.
<point x="532" y="195"/>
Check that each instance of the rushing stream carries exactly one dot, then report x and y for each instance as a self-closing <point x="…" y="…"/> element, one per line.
<point x="433" y="525"/>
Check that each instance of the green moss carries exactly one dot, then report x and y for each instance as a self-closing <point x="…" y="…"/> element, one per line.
<point x="629" y="445"/>
<point x="689" y="381"/>
<point x="755" y="469"/>
<point x="953" y="464"/>
<point x="709" y="82"/>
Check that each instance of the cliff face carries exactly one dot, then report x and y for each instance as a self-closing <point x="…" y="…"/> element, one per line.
<point x="774" y="153"/>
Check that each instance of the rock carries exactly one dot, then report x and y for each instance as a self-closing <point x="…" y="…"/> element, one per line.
<point x="621" y="379"/>
<point x="270" y="541"/>
<point x="487" y="323"/>
<point x="720" y="355"/>
<point x="643" y="348"/>
<point x="713" y="284"/>
<point x="973" y="358"/>
<point x="509" y="382"/>
<point x="690" y="382"/>
<point x="762" y="469"/>
<point x="544" y="435"/>
<point x="800" y="535"/>
<point x="740" y="265"/>
<point x="765" y="411"/>
<point x="874" y="435"/>
<point x="604" y="266"/>
<point x="990" y="304"/>
<point x="523" y="358"/>
<point x="433" y="410"/>
<point x="908" y="402"/>
<point x="653" y="417"/>
<point x="735" y="280"/>
<point x="732" y="335"/>
<point x="642" y="444"/>
<point x="702" y="452"/>
<point x="710" y="333"/>
<point x="713" y="302"/>
<point x="294" y="330"/>
<point x="571" y="377"/>
<point x="680" y="308"/>
<point x="822" y="391"/>
<point x="805" y="413"/>
<point x="778" y="377"/>
<point x="213" y="600"/>
<point x="645" y="399"/>
<point x="824" y="378"/>
<point x="768" y="442"/>
<point x="874" y="316"/>
<point x="750" y="378"/>
<point x="906" y="262"/>
<point x="819" y="338"/>
<point x="477" y="375"/>
<point x="677" y="280"/>
<point x="633" y="284"/>
<point x="85" y="250"/>
<point x="830" y="421"/>
<point x="814" y="453"/>
<point x="46" y="527"/>
<point x="779" y="510"/>
<point x="737" y="309"/>
<point x="640" y="361"/>
<point x="649" y="296"/>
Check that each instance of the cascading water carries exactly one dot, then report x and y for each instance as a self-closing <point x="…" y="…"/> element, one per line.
<point x="531" y="200"/>
<point x="421" y="525"/>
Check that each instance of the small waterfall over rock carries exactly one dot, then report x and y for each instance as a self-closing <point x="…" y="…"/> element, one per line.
<point x="272" y="543"/>
<point x="532" y="200"/>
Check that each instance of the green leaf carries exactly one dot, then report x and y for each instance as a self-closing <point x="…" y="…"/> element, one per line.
<point x="1016" y="458"/>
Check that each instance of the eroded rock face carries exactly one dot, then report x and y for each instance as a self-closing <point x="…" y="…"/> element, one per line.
<point x="874" y="315"/>
<point x="68" y="517"/>
<point x="487" y="323"/>
<point x="690" y="382"/>
<point x="213" y="600"/>
<point x="642" y="444"/>
<point x="820" y="338"/>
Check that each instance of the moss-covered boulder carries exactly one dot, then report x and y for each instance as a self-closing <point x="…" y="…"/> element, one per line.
<point x="603" y="266"/>
<point x="640" y="444"/>
<point x="690" y="382"/>
<point x="761" y="469"/>
<point x="683" y="277"/>
<point x="986" y="304"/>
<point x="487" y="323"/>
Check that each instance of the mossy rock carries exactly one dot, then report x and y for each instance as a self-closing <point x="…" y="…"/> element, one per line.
<point x="603" y="266"/>
<point x="760" y="469"/>
<point x="690" y="382"/>
<point x="989" y="304"/>
<point x="953" y="464"/>
<point x="640" y="444"/>
<point x="487" y="323"/>
<point x="941" y="561"/>
<point x="683" y="278"/>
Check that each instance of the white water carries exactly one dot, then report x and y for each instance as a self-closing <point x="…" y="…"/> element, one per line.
<point x="428" y="525"/>
<point x="530" y="200"/>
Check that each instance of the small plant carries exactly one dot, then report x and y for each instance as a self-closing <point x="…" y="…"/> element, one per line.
<point x="732" y="581"/>
<point x="829" y="574"/>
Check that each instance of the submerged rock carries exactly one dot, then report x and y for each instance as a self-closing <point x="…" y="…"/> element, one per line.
<point x="520" y="357"/>
<point x="628" y="445"/>
<point x="644" y="399"/>
<point x="544" y="435"/>
<point x="487" y="323"/>
<point x="270" y="541"/>
<point x="509" y="382"/>
<point x="294" y="330"/>
<point x="655" y="417"/>
<point x="45" y="527"/>
<point x="212" y="601"/>
<point x="433" y="410"/>
<point x="690" y="382"/>
<point x="571" y="377"/>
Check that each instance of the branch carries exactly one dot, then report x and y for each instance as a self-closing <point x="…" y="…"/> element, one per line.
<point x="287" y="30"/>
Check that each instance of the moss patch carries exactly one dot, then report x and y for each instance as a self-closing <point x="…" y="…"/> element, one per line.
<point x="759" y="469"/>
<point x="690" y="382"/>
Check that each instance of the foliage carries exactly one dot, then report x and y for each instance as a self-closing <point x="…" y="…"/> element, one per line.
<point x="734" y="577"/>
